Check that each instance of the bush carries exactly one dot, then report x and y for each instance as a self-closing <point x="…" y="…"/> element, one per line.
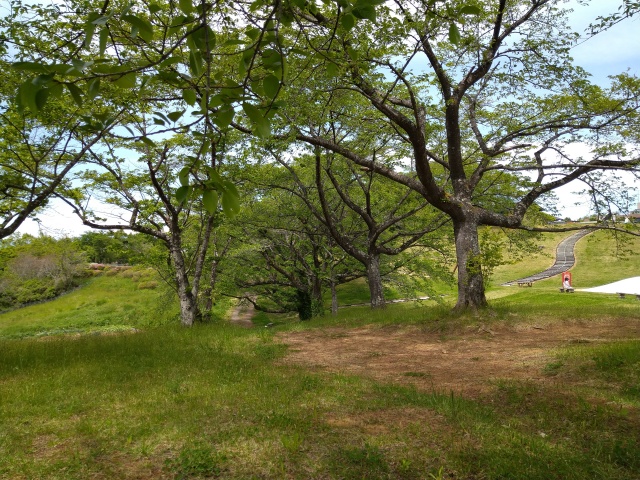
<point x="150" y="285"/>
<point x="34" y="290"/>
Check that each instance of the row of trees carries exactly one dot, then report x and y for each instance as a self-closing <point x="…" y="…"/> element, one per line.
<point x="362" y="135"/>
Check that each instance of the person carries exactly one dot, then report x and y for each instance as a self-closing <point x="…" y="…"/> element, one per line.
<point x="566" y="285"/>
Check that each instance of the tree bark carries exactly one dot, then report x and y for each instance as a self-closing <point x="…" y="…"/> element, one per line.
<point x="316" y="297"/>
<point x="375" y="281"/>
<point x="188" y="305"/>
<point x="208" y="293"/>
<point x="470" y="280"/>
<point x="334" y="299"/>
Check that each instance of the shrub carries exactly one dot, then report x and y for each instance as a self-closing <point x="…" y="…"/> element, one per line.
<point x="151" y="284"/>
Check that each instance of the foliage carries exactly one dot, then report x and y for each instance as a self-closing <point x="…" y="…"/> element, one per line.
<point x="115" y="247"/>
<point x="38" y="268"/>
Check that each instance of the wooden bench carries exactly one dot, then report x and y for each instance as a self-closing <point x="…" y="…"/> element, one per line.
<point x="525" y="284"/>
<point x="568" y="290"/>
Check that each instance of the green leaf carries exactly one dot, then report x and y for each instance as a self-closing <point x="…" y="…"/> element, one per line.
<point x="261" y="124"/>
<point x="55" y="90"/>
<point x="147" y="141"/>
<point x="94" y="88"/>
<point x="41" y="98"/>
<point x="27" y="93"/>
<point x="470" y="10"/>
<point x="365" y="10"/>
<point x="30" y="67"/>
<point x="183" y="176"/>
<point x="332" y="69"/>
<point x="348" y="21"/>
<point x="210" y="201"/>
<point x="89" y="30"/>
<point x="162" y="116"/>
<point x="203" y="39"/>
<point x="43" y="80"/>
<point x="195" y="63"/>
<point x="182" y="193"/>
<point x="214" y="176"/>
<point x="271" y="86"/>
<point x="101" y="20"/>
<point x="454" y="34"/>
<point x="170" y="61"/>
<point x="224" y="117"/>
<point x="154" y="8"/>
<point x="144" y="28"/>
<point x="75" y="92"/>
<point x="189" y="96"/>
<point x="175" y="116"/>
<point x="186" y="6"/>
<point x="253" y="33"/>
<point x="230" y="200"/>
<point x="104" y="37"/>
<point x="128" y="80"/>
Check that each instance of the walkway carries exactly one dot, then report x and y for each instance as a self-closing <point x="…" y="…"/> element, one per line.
<point x="564" y="260"/>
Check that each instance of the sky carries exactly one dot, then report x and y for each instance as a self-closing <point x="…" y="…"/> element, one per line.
<point x="613" y="51"/>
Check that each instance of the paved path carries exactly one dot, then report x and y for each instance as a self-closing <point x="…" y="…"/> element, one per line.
<point x="564" y="260"/>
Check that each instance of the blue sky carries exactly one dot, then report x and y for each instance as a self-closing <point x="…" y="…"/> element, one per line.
<point x="614" y="51"/>
<point x="608" y="53"/>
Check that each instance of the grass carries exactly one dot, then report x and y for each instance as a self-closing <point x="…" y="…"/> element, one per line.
<point x="216" y="401"/>
<point x="105" y="303"/>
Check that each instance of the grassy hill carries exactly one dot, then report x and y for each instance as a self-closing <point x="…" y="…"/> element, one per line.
<point x="125" y="393"/>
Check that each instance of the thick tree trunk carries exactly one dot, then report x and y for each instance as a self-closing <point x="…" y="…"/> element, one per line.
<point x="375" y="282"/>
<point x="470" y="280"/>
<point x="188" y="304"/>
<point x="304" y="305"/>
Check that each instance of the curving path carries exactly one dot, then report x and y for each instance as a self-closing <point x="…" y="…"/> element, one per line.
<point x="564" y="260"/>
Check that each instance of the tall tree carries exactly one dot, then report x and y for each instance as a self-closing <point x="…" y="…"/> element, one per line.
<point x="287" y="257"/>
<point x="480" y="93"/>
<point x="142" y="192"/>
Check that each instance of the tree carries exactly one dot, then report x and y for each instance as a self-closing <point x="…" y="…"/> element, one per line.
<point x="484" y="97"/>
<point x="38" y="155"/>
<point x="142" y="191"/>
<point x="285" y="257"/>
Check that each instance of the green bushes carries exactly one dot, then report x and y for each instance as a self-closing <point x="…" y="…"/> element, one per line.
<point x="36" y="269"/>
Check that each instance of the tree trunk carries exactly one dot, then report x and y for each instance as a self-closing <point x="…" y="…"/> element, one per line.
<point x="208" y="293"/>
<point x="470" y="280"/>
<point x="188" y="305"/>
<point x="334" y="299"/>
<point x="375" y="282"/>
<point x="304" y="305"/>
<point x="317" y="304"/>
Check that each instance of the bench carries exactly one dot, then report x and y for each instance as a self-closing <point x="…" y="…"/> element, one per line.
<point x="622" y="295"/>
<point x="568" y="290"/>
<point x="525" y="284"/>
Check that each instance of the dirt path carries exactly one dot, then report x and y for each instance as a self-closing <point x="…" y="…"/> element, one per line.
<point x="468" y="363"/>
<point x="242" y="315"/>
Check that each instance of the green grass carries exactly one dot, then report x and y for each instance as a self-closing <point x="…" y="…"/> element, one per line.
<point x="216" y="401"/>
<point x="103" y="303"/>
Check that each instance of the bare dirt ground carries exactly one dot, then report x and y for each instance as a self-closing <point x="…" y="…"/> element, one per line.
<point x="466" y="362"/>
<point x="242" y="314"/>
